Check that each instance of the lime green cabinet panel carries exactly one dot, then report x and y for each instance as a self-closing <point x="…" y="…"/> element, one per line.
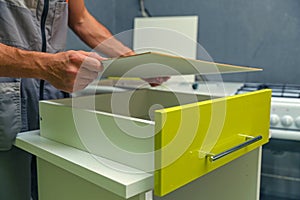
<point x="195" y="139"/>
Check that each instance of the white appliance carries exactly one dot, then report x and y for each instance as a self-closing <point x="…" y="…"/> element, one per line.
<point x="280" y="177"/>
<point x="285" y="109"/>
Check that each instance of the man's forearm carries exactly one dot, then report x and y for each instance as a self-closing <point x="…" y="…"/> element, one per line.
<point x="94" y="33"/>
<point x="19" y="63"/>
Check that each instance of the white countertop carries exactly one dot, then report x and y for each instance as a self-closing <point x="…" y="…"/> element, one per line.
<point x="95" y="169"/>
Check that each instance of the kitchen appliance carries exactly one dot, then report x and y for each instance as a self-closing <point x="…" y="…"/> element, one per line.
<point x="280" y="176"/>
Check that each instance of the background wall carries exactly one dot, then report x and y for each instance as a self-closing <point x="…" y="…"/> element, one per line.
<point x="258" y="33"/>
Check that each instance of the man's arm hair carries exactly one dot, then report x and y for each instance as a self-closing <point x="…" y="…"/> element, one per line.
<point x="93" y="33"/>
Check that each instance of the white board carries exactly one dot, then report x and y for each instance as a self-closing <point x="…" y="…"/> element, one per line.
<point x="175" y="35"/>
<point x="152" y="64"/>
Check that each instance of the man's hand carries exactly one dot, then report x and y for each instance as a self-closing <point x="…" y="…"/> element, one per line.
<point x="68" y="71"/>
<point x="72" y="70"/>
<point x="156" y="81"/>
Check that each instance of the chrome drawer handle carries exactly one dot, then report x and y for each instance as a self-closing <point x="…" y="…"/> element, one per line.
<point x="233" y="149"/>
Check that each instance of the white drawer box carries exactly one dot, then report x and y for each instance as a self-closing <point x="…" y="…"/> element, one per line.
<point x="179" y="137"/>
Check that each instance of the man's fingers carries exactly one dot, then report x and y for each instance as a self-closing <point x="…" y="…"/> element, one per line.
<point x="92" y="55"/>
<point x="92" y="64"/>
<point x="86" y="74"/>
<point x="156" y="81"/>
<point x="91" y="61"/>
<point x="96" y="56"/>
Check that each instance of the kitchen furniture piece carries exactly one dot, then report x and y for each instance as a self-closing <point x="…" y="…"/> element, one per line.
<point x="123" y="144"/>
<point x="66" y="173"/>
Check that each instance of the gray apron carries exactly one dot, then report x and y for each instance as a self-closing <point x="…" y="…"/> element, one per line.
<point x="37" y="25"/>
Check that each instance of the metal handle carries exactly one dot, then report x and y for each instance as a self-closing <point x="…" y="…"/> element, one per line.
<point x="233" y="149"/>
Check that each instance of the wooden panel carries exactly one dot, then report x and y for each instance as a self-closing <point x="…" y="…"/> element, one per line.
<point x="156" y="65"/>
